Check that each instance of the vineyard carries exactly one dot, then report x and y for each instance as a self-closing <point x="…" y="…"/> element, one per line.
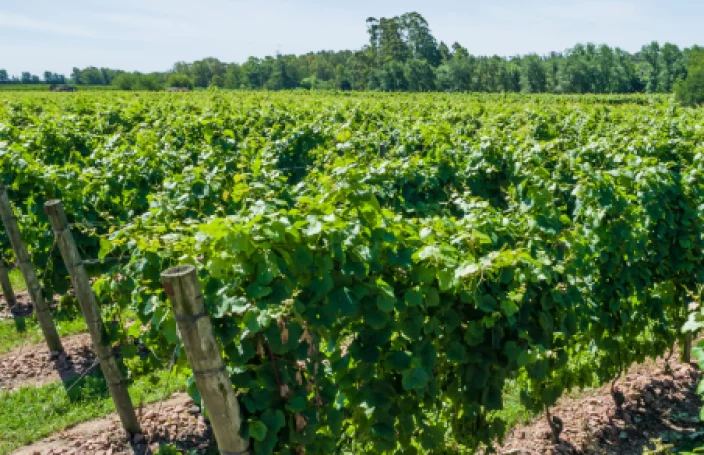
<point x="377" y="268"/>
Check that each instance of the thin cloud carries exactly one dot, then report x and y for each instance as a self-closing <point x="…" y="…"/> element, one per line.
<point x="26" y="23"/>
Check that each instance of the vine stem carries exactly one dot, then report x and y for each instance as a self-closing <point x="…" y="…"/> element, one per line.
<point x="555" y="428"/>
<point x="613" y="383"/>
<point x="273" y="365"/>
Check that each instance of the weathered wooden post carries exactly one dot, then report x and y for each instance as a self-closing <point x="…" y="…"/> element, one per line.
<point x="91" y="313"/>
<point x="7" y="291"/>
<point x="203" y="352"/>
<point x="41" y="307"/>
<point x="686" y="348"/>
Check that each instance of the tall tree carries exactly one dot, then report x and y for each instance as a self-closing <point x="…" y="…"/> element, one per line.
<point x="533" y="76"/>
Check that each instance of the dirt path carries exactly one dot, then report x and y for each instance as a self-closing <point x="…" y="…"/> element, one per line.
<point x="658" y="405"/>
<point x="34" y="366"/>
<point x="175" y="421"/>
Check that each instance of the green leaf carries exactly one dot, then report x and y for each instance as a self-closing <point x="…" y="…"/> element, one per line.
<point x="274" y="420"/>
<point x="105" y="248"/>
<point x="432" y="297"/>
<point x="296" y="404"/>
<point x="257" y="430"/>
<point x="414" y="298"/>
<point x="456" y="352"/>
<point x="416" y="378"/>
<point x="445" y="279"/>
<point x="509" y="307"/>
<point x="342" y="300"/>
<point x="385" y="303"/>
<point x="257" y="291"/>
<point x="487" y="303"/>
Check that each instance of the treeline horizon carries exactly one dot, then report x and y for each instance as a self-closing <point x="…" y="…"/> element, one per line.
<point x="403" y="55"/>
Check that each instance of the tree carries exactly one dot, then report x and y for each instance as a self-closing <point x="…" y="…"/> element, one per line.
<point x="651" y="65"/>
<point x="151" y="82"/>
<point x="690" y="92"/>
<point x="532" y="75"/>
<point x="76" y="75"/>
<point x="233" y="77"/>
<point x="419" y="75"/>
<point x="672" y="67"/>
<point x="420" y="41"/>
<point x="125" y="81"/>
<point x="4" y="78"/>
<point x="26" y="77"/>
<point x="445" y="53"/>
<point x="179" y="80"/>
<point x="91" y="76"/>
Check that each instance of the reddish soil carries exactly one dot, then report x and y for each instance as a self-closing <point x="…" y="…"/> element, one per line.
<point x="35" y="366"/>
<point x="659" y="405"/>
<point x="176" y="421"/>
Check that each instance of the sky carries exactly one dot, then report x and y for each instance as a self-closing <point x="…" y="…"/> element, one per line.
<point x="151" y="35"/>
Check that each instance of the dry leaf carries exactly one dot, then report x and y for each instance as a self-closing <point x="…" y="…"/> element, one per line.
<point x="301" y="422"/>
<point x="285" y="391"/>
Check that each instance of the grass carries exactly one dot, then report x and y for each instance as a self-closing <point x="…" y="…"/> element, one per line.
<point x="25" y="331"/>
<point x="46" y="410"/>
<point x="17" y="281"/>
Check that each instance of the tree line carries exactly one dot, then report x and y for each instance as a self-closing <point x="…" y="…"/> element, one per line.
<point x="403" y="55"/>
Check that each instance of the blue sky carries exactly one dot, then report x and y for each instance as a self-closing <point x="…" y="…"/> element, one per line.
<point x="150" y="35"/>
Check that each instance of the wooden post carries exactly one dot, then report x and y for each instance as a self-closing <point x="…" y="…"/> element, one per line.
<point x="41" y="308"/>
<point x="203" y="352"/>
<point x="91" y="313"/>
<point x="7" y="291"/>
<point x="686" y="348"/>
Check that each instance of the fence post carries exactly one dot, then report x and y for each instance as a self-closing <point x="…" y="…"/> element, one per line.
<point x="7" y="291"/>
<point x="686" y="348"/>
<point x="41" y="308"/>
<point x="91" y="313"/>
<point x="203" y="352"/>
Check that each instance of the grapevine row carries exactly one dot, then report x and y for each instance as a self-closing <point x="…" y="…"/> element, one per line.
<point x="377" y="268"/>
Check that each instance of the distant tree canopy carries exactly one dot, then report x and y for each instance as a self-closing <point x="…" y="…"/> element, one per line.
<point x="691" y="90"/>
<point x="138" y="81"/>
<point x="403" y="55"/>
<point x="179" y="80"/>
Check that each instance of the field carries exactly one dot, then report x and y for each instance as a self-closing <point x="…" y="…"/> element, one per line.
<point x="385" y="273"/>
<point x="45" y="88"/>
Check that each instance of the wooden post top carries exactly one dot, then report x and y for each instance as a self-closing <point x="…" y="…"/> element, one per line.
<point x="179" y="271"/>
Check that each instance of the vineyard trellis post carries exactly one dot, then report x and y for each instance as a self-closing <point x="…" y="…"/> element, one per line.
<point x="7" y="290"/>
<point x="91" y="312"/>
<point x="41" y="307"/>
<point x="182" y="286"/>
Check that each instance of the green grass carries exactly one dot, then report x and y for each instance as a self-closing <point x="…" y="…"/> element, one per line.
<point x="17" y="281"/>
<point x="514" y="413"/>
<point x="25" y="331"/>
<point x="31" y="414"/>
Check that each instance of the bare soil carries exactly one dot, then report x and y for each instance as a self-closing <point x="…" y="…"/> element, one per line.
<point x="176" y="421"/>
<point x="35" y="366"/>
<point x="660" y="404"/>
<point x="22" y="308"/>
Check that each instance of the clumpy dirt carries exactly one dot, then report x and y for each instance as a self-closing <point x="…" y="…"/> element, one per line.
<point x="660" y="404"/>
<point x="22" y="308"/>
<point x="176" y="421"/>
<point x="35" y="366"/>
